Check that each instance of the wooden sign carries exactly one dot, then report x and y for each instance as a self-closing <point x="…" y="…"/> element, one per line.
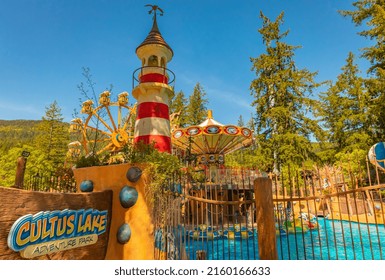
<point x="41" y="225"/>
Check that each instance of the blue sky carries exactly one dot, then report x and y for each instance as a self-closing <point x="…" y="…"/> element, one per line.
<point x="45" y="43"/>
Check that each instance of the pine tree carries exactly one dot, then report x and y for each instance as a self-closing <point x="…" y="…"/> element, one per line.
<point x="178" y="106"/>
<point x="282" y="101"/>
<point x="54" y="137"/>
<point x="241" y="123"/>
<point x="372" y="14"/>
<point x="196" y="108"/>
<point x="345" y="111"/>
<point x="251" y="123"/>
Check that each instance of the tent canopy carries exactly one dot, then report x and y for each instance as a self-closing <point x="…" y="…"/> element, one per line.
<point x="212" y="137"/>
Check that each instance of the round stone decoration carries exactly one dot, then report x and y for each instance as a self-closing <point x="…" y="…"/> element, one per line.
<point x="133" y="174"/>
<point x="87" y="186"/>
<point x="124" y="234"/>
<point x="128" y="196"/>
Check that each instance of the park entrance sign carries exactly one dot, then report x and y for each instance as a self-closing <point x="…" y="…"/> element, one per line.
<point x="52" y="231"/>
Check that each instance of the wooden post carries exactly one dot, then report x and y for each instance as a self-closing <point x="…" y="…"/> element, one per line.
<point x="20" y="169"/>
<point x="201" y="255"/>
<point x="267" y="243"/>
<point x="370" y="203"/>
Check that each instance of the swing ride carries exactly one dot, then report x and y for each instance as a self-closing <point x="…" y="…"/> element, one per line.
<point x="209" y="142"/>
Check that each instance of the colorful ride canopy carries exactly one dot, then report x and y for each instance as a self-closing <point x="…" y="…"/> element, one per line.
<point x="212" y="137"/>
<point x="377" y="155"/>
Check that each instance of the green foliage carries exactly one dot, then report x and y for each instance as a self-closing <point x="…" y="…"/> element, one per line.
<point x="196" y="108"/>
<point x="33" y="136"/>
<point x="179" y="106"/>
<point x="161" y="167"/>
<point x="281" y="98"/>
<point x="137" y="153"/>
<point x="345" y="111"/>
<point x="371" y="15"/>
<point x="16" y="133"/>
<point x="92" y="160"/>
<point x="247" y="158"/>
<point x="353" y="164"/>
<point x="240" y="121"/>
<point x="251" y="123"/>
<point x="53" y="137"/>
<point x="8" y="161"/>
<point x="325" y="152"/>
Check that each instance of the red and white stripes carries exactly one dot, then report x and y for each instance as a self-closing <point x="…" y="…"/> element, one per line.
<point x="153" y="121"/>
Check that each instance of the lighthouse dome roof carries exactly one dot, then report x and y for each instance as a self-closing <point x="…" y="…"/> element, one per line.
<point x="154" y="37"/>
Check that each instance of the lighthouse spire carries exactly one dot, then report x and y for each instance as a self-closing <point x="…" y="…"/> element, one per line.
<point x="155" y="37"/>
<point x="154" y="10"/>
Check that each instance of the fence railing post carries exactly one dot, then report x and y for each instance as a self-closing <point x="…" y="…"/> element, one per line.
<point x="267" y="243"/>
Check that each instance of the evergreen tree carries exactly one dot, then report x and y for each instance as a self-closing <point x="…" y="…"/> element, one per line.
<point x="251" y="123"/>
<point x="196" y="108"/>
<point x="282" y="101"/>
<point x="36" y="163"/>
<point x="345" y="111"/>
<point x="372" y="14"/>
<point x="179" y="106"/>
<point x="241" y="123"/>
<point x="54" y="137"/>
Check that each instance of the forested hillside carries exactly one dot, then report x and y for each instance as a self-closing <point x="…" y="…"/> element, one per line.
<point x="46" y="140"/>
<point x="16" y="133"/>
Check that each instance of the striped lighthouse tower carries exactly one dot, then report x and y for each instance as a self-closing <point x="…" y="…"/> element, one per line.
<point x="153" y="91"/>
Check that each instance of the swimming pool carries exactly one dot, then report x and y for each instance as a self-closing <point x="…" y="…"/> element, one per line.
<point x="334" y="240"/>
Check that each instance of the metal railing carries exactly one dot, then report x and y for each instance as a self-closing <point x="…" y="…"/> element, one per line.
<point x="167" y="74"/>
<point x="328" y="213"/>
<point x="332" y="214"/>
<point x="206" y="220"/>
<point x="50" y="183"/>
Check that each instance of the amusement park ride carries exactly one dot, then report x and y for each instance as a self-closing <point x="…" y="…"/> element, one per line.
<point x="106" y="128"/>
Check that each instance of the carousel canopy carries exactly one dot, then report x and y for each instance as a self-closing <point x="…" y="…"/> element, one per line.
<point x="212" y="137"/>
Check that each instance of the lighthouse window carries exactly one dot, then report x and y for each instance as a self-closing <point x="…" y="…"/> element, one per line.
<point x="162" y="62"/>
<point x="153" y="61"/>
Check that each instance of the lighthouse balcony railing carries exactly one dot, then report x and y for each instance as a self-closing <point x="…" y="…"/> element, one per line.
<point x="151" y="74"/>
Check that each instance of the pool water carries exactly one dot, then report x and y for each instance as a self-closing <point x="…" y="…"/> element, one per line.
<point x="334" y="240"/>
<point x="224" y="249"/>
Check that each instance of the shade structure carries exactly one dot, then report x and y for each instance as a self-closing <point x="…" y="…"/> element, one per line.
<point x="211" y="138"/>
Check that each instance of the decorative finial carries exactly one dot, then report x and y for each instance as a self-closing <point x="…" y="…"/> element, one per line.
<point x="154" y="9"/>
<point x="209" y="114"/>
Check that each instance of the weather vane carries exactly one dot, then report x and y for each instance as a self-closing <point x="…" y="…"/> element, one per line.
<point x="154" y="9"/>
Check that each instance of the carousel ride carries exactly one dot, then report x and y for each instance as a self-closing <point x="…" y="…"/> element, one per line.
<point x="205" y="146"/>
<point x="105" y="129"/>
<point x="208" y="142"/>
